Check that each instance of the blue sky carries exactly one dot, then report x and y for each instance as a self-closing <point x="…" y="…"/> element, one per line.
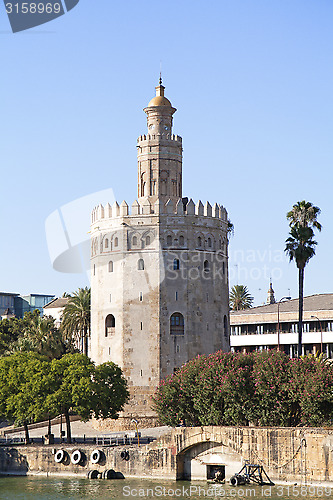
<point x="252" y="81"/>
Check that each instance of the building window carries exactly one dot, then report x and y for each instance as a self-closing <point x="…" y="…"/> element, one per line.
<point x="177" y="324"/>
<point x="181" y="241"/>
<point x="176" y="265"/>
<point x="223" y="267"/>
<point x="176" y="296"/>
<point x="177" y="348"/>
<point x="209" y="243"/>
<point x="116" y="242"/>
<point x="141" y="325"/>
<point x="225" y="327"/>
<point x="169" y="241"/>
<point x="106" y="243"/>
<point x="94" y="269"/>
<point x="141" y="296"/>
<point x="199" y="241"/>
<point x="206" y="267"/>
<point x="110" y="266"/>
<point x="148" y="240"/>
<point x="110" y="324"/>
<point x="135" y="241"/>
<point x="141" y="265"/>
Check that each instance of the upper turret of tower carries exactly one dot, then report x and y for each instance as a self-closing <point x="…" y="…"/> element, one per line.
<point x="160" y="153"/>
<point x="270" y="295"/>
<point x="159" y="99"/>
<point x="159" y="113"/>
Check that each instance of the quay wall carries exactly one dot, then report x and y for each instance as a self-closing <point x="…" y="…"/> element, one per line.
<point x="297" y="455"/>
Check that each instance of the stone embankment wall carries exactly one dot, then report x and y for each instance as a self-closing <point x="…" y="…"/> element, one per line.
<point x="302" y="455"/>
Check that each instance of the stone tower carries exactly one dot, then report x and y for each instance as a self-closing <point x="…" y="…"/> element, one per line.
<point x="159" y="272"/>
<point x="270" y="295"/>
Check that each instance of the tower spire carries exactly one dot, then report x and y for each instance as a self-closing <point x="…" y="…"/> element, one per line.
<point x="160" y="81"/>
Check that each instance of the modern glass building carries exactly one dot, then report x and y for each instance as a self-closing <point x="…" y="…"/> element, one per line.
<point x="29" y="303"/>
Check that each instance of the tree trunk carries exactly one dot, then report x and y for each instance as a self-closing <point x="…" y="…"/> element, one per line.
<point x="300" y="309"/>
<point x="26" y="431"/>
<point x="68" y="426"/>
<point x="85" y="341"/>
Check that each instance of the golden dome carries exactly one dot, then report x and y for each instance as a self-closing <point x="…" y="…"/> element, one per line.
<point x="159" y="100"/>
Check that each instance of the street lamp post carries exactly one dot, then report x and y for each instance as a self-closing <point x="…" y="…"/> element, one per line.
<point x="321" y="334"/>
<point x="278" y="311"/>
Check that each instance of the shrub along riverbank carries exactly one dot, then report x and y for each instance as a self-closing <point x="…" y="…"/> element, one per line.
<point x="267" y="389"/>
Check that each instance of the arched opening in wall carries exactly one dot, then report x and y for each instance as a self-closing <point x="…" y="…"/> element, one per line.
<point x="111" y="266"/>
<point x="209" y="243"/>
<point x="177" y="326"/>
<point x="110" y="325"/>
<point x="206" y="267"/>
<point x="169" y="241"/>
<point x="220" y="244"/>
<point x="141" y="265"/>
<point x="176" y="264"/>
<point x="181" y="241"/>
<point x="106" y="243"/>
<point x="116" y="242"/>
<point x="199" y="241"/>
<point x="135" y="241"/>
<point x="225" y="327"/>
<point x="148" y="240"/>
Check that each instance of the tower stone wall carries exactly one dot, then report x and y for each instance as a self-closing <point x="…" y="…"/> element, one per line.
<point x="159" y="269"/>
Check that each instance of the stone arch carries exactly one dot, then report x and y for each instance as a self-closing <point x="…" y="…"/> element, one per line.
<point x="110" y="325"/>
<point x="177" y="324"/>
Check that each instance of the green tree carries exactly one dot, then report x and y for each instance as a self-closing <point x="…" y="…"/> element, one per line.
<point x="300" y="246"/>
<point x="305" y="214"/>
<point x="76" y="318"/>
<point x="76" y="385"/>
<point x="240" y="298"/>
<point x="268" y="388"/>
<point x="23" y="387"/>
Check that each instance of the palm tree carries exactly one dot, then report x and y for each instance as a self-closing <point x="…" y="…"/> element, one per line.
<point x="76" y="318"/>
<point x="240" y="298"/>
<point x="305" y="214"/>
<point x="300" y="246"/>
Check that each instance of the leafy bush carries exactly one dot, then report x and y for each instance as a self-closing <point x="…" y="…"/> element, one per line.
<point x="264" y="388"/>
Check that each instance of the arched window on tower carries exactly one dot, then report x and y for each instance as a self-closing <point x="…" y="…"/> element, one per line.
<point x="110" y="325"/>
<point x="141" y="265"/>
<point x="209" y="243"/>
<point x="148" y="240"/>
<point x="199" y="241"/>
<point x="106" y="243"/>
<point x="176" y="265"/>
<point x="116" y="242"/>
<point x="169" y="241"/>
<point x="110" y="266"/>
<point x="177" y="324"/>
<point x="135" y="241"/>
<point x="181" y="241"/>
<point x="206" y="267"/>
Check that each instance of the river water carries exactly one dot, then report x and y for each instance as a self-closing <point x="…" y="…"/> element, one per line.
<point x="42" y="488"/>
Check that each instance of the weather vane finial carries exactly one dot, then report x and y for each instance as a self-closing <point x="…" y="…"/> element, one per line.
<point x="160" y="72"/>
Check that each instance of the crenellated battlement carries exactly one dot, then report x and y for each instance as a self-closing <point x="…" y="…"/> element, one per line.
<point x="168" y="137"/>
<point x="159" y="208"/>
